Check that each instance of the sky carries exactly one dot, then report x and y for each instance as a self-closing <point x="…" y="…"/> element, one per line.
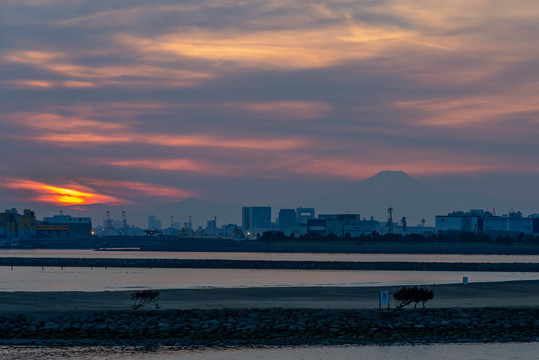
<point x="144" y="103"/>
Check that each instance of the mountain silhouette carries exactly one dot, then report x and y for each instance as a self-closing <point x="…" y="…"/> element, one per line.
<point x="407" y="196"/>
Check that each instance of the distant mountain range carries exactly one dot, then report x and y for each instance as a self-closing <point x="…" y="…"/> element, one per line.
<point x="372" y="197"/>
<point x="407" y="196"/>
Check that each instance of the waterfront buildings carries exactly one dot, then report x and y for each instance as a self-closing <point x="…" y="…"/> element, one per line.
<point x="304" y="214"/>
<point x="64" y="226"/>
<point x="25" y="226"/>
<point x="477" y="220"/>
<point x="14" y="225"/>
<point x="153" y="223"/>
<point x="256" y="218"/>
<point x="287" y="218"/>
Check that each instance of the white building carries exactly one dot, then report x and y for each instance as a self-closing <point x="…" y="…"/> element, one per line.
<point x="484" y="221"/>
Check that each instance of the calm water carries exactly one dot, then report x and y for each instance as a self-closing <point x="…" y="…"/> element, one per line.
<point x="100" y="279"/>
<point x="267" y="256"/>
<point x="513" y="351"/>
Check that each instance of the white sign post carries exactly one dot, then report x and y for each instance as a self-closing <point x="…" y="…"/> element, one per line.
<point x="383" y="299"/>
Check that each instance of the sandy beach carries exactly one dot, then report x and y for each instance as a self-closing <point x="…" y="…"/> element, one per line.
<point x="502" y="294"/>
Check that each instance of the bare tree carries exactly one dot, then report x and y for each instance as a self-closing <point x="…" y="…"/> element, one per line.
<point x="145" y="297"/>
<point x="406" y="296"/>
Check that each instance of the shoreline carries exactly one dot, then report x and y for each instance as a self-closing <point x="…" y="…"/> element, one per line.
<point x="522" y="293"/>
<point x="184" y="329"/>
<point x="260" y="317"/>
<point x="172" y="244"/>
<point x="267" y="264"/>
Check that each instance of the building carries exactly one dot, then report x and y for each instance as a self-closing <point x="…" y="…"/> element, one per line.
<point x="461" y="221"/>
<point x="211" y="228"/>
<point x="296" y="230"/>
<point x="342" y="224"/>
<point x="304" y="214"/>
<point x="513" y="222"/>
<point x="256" y="217"/>
<point x="16" y="226"/>
<point x="485" y="222"/>
<point x="153" y="223"/>
<point x="64" y="226"/>
<point x="316" y="226"/>
<point x="337" y="224"/>
<point x="287" y="218"/>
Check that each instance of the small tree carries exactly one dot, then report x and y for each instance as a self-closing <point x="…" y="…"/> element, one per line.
<point x="406" y="296"/>
<point x="145" y="297"/>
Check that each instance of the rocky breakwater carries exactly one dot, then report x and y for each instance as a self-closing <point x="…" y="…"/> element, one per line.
<point x="268" y="264"/>
<point x="277" y="326"/>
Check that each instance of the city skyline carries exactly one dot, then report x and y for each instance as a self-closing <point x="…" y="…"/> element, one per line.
<point x="142" y="105"/>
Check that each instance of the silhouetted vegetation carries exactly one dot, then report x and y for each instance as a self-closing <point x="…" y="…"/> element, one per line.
<point x="407" y="295"/>
<point x="456" y="237"/>
<point x="145" y="297"/>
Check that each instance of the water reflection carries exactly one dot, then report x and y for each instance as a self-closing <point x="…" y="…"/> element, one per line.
<point x="492" y="351"/>
<point x="268" y="256"/>
<point x="100" y="279"/>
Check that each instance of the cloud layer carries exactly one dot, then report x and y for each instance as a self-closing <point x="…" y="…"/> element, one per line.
<point x="124" y="100"/>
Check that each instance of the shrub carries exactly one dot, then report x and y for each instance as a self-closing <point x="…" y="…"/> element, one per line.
<point x="406" y="296"/>
<point x="145" y="297"/>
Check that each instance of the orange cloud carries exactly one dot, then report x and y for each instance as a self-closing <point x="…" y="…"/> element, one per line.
<point x="304" y="48"/>
<point x="135" y="189"/>
<point x="49" y="121"/>
<point x="195" y="140"/>
<point x="56" y="195"/>
<point x="168" y="165"/>
<point x="74" y="131"/>
<point x="28" y="84"/>
<point x="469" y="110"/>
<point x="82" y="76"/>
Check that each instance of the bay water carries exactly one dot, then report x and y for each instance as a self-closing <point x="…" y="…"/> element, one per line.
<point x="479" y="351"/>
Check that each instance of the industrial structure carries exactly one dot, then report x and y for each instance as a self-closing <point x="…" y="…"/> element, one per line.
<point x="478" y="220"/>
<point x="15" y="226"/>
<point x="64" y="227"/>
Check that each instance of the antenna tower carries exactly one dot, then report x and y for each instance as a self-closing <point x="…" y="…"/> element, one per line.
<point x="109" y="221"/>
<point x="124" y="221"/>
<point x="390" y="220"/>
<point x="403" y="223"/>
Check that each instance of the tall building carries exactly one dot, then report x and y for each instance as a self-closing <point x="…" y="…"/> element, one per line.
<point x="304" y="214"/>
<point x="153" y="223"/>
<point x="287" y="218"/>
<point x="256" y="217"/>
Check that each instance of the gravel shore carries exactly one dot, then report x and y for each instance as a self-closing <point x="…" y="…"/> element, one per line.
<point x="275" y="326"/>
<point x="481" y="312"/>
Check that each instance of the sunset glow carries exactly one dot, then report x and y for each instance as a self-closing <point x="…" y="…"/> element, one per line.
<point x="55" y="195"/>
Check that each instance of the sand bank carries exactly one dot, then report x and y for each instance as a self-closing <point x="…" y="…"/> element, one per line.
<point x="502" y="294"/>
